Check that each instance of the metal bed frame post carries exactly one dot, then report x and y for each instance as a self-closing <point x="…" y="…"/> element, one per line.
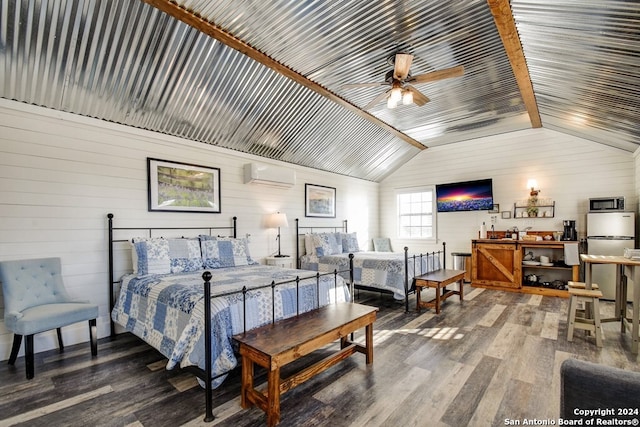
<point x="208" y="415"/>
<point x="112" y="332"/>
<point x="351" y="279"/>
<point x="444" y="255"/>
<point x="406" y="278"/>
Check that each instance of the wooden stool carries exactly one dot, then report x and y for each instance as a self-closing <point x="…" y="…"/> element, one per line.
<point x="582" y="285"/>
<point x="590" y="321"/>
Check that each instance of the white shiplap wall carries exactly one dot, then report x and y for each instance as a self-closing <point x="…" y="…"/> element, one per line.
<point x="60" y="174"/>
<point x="568" y="169"/>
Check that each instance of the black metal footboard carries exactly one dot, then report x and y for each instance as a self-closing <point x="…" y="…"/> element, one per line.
<point x="434" y="260"/>
<point x="206" y="375"/>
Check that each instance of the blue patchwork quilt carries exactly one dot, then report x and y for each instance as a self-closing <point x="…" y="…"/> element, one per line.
<point x="381" y="270"/>
<point x="167" y="311"/>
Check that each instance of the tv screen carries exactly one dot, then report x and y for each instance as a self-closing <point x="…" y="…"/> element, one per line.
<point x="465" y="196"/>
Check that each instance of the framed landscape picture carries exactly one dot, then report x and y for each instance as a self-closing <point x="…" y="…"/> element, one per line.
<point x="182" y="187"/>
<point x="320" y="201"/>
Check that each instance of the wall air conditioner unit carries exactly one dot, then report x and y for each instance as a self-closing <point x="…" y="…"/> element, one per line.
<point x="275" y="176"/>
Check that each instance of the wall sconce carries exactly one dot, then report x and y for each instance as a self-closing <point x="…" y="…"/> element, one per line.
<point x="532" y="184"/>
<point x="278" y="220"/>
<point x="532" y="202"/>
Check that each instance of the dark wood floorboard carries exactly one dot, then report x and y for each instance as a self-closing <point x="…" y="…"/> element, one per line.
<point x="495" y="356"/>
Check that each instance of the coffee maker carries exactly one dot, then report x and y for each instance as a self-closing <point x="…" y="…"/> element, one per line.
<point x="569" y="232"/>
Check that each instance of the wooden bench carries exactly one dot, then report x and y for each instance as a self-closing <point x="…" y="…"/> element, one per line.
<point x="274" y="346"/>
<point x="438" y="279"/>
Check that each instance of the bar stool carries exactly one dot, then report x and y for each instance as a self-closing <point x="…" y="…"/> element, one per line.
<point x="589" y="320"/>
<point x="581" y="285"/>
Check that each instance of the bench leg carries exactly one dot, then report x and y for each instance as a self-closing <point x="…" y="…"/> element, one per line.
<point x="461" y="284"/>
<point x="273" y="398"/>
<point x="369" y="343"/>
<point x="247" y="382"/>
<point x="438" y="289"/>
<point x="418" y="291"/>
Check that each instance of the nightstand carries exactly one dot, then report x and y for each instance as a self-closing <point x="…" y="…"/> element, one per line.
<point x="284" y="262"/>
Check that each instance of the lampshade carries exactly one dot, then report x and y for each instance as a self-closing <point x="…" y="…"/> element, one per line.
<point x="407" y="97"/>
<point x="396" y="94"/>
<point x="277" y="220"/>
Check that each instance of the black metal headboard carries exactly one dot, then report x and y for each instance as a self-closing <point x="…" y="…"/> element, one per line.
<point x="150" y="231"/>
<point x="302" y="230"/>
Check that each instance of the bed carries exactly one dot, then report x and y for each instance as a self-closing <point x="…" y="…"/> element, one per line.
<point x="162" y="300"/>
<point x="327" y="248"/>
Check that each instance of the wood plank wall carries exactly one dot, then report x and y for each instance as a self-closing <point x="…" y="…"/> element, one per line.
<point x="60" y="174"/>
<point x="568" y="169"/>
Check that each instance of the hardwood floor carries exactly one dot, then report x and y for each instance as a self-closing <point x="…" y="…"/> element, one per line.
<point x="493" y="357"/>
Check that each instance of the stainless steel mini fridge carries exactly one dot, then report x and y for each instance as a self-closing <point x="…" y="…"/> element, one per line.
<point x="609" y="233"/>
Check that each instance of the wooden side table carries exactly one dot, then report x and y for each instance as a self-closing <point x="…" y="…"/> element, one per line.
<point x="439" y="279"/>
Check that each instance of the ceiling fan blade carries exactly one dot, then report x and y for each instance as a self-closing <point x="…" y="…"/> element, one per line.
<point x="438" y="75"/>
<point x="418" y="98"/>
<point x="377" y="100"/>
<point x="356" y="85"/>
<point x="402" y="64"/>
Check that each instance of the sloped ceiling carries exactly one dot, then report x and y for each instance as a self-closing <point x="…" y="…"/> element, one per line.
<point x="278" y="90"/>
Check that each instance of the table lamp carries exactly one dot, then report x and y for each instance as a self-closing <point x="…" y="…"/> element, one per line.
<point x="278" y="220"/>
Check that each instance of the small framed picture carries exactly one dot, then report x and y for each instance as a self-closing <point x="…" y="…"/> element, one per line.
<point x="320" y="201"/>
<point x="495" y="209"/>
<point x="506" y="214"/>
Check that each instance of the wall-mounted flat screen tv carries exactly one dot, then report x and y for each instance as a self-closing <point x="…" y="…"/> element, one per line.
<point x="465" y="196"/>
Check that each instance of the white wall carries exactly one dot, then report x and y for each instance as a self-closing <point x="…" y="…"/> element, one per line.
<point x="568" y="169"/>
<point x="60" y="174"/>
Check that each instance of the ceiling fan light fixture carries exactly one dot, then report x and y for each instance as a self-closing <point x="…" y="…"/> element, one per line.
<point x="391" y="103"/>
<point x="407" y="97"/>
<point x="396" y="94"/>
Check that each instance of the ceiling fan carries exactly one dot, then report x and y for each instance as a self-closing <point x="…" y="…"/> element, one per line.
<point x="401" y="82"/>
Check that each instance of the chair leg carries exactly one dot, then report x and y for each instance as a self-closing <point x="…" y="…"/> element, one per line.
<point x="60" y="343"/>
<point x="17" y="340"/>
<point x="571" y="318"/>
<point x="28" y="356"/>
<point x="93" y="334"/>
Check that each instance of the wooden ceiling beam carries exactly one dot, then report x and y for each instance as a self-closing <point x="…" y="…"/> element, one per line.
<point x="503" y="17"/>
<point x="188" y="17"/>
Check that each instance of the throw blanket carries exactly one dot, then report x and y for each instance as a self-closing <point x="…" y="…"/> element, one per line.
<point x="167" y="311"/>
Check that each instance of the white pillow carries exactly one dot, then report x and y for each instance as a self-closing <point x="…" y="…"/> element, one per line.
<point x="308" y="244"/>
<point x="152" y="257"/>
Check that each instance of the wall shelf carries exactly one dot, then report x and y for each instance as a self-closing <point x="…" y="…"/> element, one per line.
<point x="520" y="211"/>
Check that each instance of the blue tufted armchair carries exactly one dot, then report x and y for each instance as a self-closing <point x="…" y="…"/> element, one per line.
<point x="36" y="301"/>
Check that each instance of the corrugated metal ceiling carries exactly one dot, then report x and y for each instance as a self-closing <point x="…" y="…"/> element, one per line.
<point x="127" y="62"/>
<point x="584" y="57"/>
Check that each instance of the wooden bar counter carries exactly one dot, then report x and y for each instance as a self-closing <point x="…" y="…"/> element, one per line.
<point x="498" y="264"/>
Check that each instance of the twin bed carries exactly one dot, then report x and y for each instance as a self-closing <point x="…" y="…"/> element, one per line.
<point x="328" y="248"/>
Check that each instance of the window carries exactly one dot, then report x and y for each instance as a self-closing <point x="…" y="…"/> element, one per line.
<point x="416" y="213"/>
